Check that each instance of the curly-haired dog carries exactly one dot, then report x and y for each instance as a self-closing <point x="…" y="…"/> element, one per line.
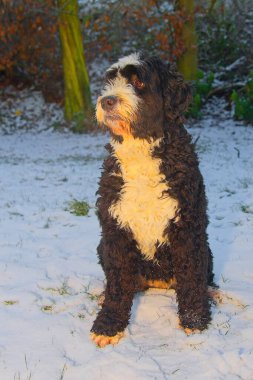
<point x="151" y="205"/>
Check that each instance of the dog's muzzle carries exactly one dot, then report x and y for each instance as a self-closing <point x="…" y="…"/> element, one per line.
<point x="108" y="102"/>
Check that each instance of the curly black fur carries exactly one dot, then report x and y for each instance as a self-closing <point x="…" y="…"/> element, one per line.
<point x="187" y="257"/>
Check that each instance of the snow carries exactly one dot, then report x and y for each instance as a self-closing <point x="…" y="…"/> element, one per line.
<point x="50" y="279"/>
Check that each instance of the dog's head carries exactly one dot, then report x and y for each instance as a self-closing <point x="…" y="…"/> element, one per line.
<point x="141" y="97"/>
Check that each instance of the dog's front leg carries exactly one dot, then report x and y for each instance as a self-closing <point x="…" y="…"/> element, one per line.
<point x="114" y="316"/>
<point x="190" y="263"/>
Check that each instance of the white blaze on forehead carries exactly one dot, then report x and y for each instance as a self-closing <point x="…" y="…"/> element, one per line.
<point x="132" y="59"/>
<point x="117" y="86"/>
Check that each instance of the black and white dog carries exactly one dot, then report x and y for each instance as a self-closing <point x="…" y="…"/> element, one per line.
<point x="152" y="204"/>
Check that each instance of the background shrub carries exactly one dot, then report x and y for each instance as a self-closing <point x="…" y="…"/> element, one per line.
<point x="201" y="88"/>
<point x="224" y="32"/>
<point x="29" y="45"/>
<point x="118" y="27"/>
<point x="243" y="101"/>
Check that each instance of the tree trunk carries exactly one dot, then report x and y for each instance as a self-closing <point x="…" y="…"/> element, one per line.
<point x="76" y="80"/>
<point x="188" y="62"/>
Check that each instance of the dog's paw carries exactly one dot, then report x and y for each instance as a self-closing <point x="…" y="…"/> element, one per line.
<point x="188" y="331"/>
<point x="191" y="331"/>
<point x="103" y="340"/>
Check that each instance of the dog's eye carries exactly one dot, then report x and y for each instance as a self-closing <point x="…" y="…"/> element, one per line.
<point x="136" y="82"/>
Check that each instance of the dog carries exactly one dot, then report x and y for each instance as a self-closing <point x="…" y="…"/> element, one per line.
<point x="151" y="199"/>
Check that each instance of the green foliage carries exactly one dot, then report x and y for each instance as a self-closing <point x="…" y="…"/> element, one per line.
<point x="10" y="302"/>
<point x="243" y="104"/>
<point x="246" y="209"/>
<point x="224" y="32"/>
<point x="201" y="88"/>
<point x="79" y="208"/>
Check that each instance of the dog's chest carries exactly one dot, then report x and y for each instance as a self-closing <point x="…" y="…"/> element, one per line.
<point x="143" y="207"/>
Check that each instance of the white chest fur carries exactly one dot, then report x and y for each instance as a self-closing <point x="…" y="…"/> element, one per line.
<point x="142" y="208"/>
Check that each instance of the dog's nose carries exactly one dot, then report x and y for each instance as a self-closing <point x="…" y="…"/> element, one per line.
<point x="108" y="102"/>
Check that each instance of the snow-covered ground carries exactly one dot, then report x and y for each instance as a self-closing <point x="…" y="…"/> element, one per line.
<point x="50" y="279"/>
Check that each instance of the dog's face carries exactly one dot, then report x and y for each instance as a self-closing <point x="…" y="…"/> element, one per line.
<point x="140" y="96"/>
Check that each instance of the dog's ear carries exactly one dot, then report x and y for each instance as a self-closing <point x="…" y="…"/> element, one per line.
<point x="176" y="93"/>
